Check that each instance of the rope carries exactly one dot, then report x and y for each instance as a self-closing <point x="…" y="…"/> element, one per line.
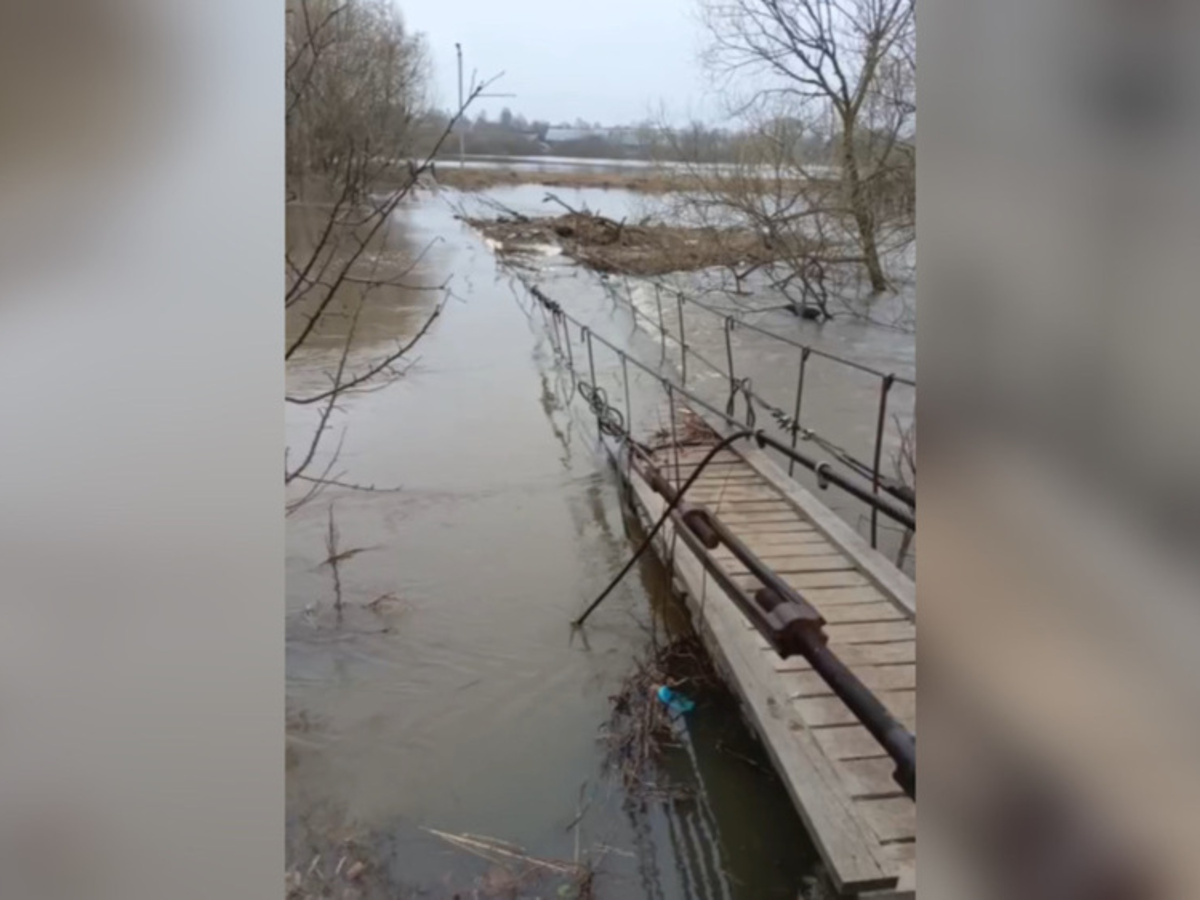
<point x="742" y="386"/>
<point x="645" y="545"/>
<point x="608" y="417"/>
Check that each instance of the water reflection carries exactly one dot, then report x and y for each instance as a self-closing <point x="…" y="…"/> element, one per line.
<point x="391" y="285"/>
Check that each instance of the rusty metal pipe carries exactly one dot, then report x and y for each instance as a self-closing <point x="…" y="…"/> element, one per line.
<point x="787" y="621"/>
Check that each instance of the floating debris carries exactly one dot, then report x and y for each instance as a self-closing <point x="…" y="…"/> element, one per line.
<point x="642" y="725"/>
<point x="642" y="248"/>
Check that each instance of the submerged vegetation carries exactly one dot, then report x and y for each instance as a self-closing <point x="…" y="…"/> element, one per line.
<point x="642" y="726"/>
<point x="641" y="248"/>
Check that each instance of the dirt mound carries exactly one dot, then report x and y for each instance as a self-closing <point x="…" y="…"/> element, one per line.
<point x="629" y="249"/>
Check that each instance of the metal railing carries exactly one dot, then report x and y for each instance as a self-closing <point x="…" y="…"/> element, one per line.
<point x="561" y="322"/>
<point x="788" y="423"/>
<point x="789" y="623"/>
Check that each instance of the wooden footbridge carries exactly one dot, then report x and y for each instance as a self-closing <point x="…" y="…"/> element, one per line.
<point x="839" y="775"/>
<point x="813" y="628"/>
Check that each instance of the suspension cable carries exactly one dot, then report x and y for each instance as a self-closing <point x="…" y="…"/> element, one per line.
<point x="766" y="332"/>
<point x="896" y="514"/>
<point x="895" y="487"/>
<point x="645" y="545"/>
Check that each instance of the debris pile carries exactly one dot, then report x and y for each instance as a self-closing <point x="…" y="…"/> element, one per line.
<point x="642" y="726"/>
<point x="629" y="249"/>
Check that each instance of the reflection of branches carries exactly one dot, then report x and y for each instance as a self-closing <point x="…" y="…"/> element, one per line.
<point x="355" y="81"/>
<point x="386" y="364"/>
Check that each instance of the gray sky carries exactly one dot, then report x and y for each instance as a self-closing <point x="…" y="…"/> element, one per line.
<point x="613" y="61"/>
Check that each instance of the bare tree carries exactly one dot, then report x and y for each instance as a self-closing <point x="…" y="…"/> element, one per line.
<point x="356" y="108"/>
<point x="839" y="67"/>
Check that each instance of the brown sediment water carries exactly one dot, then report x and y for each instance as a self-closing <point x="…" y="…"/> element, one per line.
<point x="460" y="701"/>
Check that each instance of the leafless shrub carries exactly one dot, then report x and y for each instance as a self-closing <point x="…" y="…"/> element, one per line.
<point x="829" y="174"/>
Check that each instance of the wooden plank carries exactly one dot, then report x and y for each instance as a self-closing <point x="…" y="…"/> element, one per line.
<point x="778" y="555"/>
<point x="802" y="581"/>
<point x="818" y="712"/>
<point x="716" y="473"/>
<point x="870" y="778"/>
<point x="823" y="598"/>
<point x="871" y="632"/>
<point x="863" y="612"/>
<point x="707" y="485"/>
<point x="808" y="544"/>
<point x="727" y="476"/>
<point x="781" y="529"/>
<point x="893" y="818"/>
<point x="759" y="518"/>
<point x="894" y="583"/>
<point x="695" y="455"/>
<point x="837" y="563"/>
<point x="879" y="611"/>
<point x="708" y="481"/>
<point x="773" y="539"/>
<point x="704" y="493"/>
<point x="847" y="742"/>
<point x="902" y="851"/>
<point x="707" y="492"/>
<point x="724" y="508"/>
<point x="807" y="683"/>
<point x="855" y="655"/>
<point x="821" y="711"/>
<point x="693" y="460"/>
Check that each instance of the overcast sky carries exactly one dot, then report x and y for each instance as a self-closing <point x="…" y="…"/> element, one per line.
<point x="612" y="61"/>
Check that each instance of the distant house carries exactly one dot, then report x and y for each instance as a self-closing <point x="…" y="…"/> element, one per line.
<point x="556" y="135"/>
<point x="622" y="137"/>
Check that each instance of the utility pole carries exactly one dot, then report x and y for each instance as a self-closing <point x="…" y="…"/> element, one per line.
<point x="461" y="137"/>
<point x="462" y="124"/>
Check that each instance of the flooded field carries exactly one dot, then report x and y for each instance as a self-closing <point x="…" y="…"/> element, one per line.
<point x="445" y="691"/>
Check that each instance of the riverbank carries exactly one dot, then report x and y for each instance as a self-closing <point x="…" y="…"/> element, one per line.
<point x="641" y="179"/>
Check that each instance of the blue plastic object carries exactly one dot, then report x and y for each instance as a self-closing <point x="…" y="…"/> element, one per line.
<point x="675" y="701"/>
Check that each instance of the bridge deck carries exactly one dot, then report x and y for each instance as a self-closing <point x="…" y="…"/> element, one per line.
<point x="839" y="777"/>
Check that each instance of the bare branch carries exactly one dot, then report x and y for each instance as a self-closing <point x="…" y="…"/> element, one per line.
<point x="355" y="81"/>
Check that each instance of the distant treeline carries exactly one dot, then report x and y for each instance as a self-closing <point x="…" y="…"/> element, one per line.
<point x="513" y="135"/>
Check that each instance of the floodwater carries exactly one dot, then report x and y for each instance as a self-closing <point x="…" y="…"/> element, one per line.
<point x="840" y="403"/>
<point x="551" y="163"/>
<point x="459" y="701"/>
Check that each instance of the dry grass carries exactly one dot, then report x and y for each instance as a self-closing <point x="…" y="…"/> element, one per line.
<point x="515" y="873"/>
<point x="648" y="181"/>
<point x="347" y="870"/>
<point x="631" y="249"/>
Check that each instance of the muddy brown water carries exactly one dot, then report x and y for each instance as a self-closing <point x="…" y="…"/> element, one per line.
<point x="463" y="704"/>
